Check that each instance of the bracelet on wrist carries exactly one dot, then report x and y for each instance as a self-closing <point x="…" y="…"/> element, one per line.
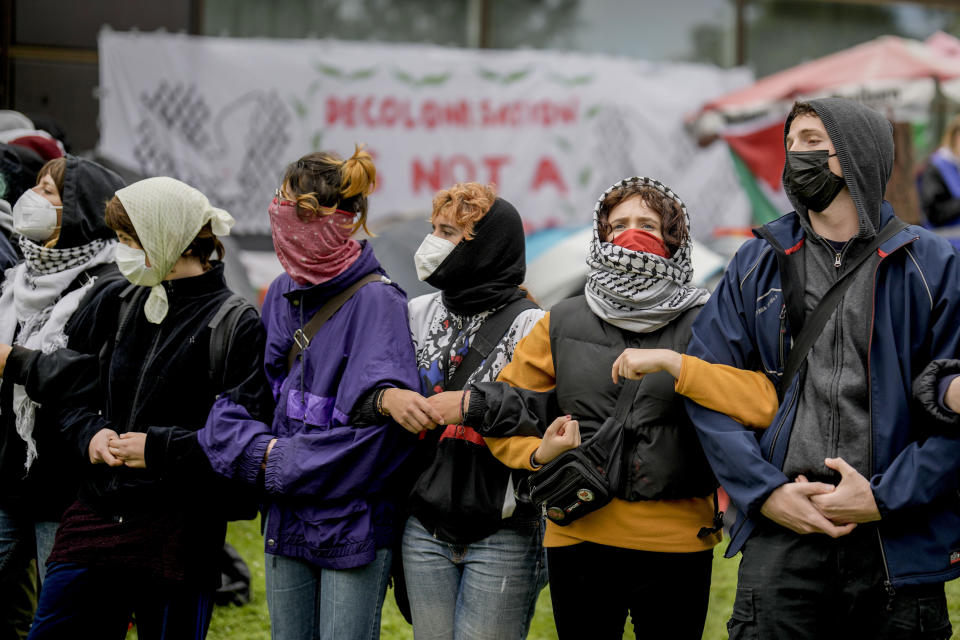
<point x="533" y="461"/>
<point x="379" y="403"/>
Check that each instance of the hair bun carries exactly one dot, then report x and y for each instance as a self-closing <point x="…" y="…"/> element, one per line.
<point x="359" y="175"/>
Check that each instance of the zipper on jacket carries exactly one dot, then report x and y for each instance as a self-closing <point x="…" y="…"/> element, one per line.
<point x="837" y="260"/>
<point x="887" y="584"/>
<point x="783" y="332"/>
<point x="776" y="434"/>
<point x="143" y="373"/>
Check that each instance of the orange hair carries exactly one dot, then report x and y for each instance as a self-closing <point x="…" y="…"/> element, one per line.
<point x="465" y="203"/>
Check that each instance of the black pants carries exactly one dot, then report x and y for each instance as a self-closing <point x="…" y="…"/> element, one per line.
<point x="593" y="587"/>
<point x="813" y="586"/>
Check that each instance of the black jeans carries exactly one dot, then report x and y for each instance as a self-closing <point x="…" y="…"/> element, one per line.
<point x="593" y="587"/>
<point x="813" y="586"/>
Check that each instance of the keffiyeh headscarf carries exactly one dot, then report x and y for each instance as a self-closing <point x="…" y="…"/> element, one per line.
<point x="167" y="215"/>
<point x="32" y="299"/>
<point x="638" y="291"/>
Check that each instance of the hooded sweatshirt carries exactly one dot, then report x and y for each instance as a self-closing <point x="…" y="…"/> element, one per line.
<point x="833" y="412"/>
<point x="45" y="490"/>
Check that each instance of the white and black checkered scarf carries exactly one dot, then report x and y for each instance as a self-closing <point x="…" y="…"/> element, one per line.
<point x="638" y="291"/>
<point x="34" y="308"/>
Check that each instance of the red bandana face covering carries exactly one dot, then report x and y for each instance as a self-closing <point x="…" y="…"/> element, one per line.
<point x="314" y="251"/>
<point x="638" y="240"/>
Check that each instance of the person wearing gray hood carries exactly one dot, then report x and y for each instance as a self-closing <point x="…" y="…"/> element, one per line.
<point x="849" y="522"/>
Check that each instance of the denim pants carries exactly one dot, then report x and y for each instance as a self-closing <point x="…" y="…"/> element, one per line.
<point x="79" y="601"/>
<point x="594" y="586"/>
<point x="483" y="590"/>
<point x="814" y="586"/>
<point x="21" y="540"/>
<point x="310" y="603"/>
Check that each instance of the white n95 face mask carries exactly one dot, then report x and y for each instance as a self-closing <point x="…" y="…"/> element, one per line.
<point x="133" y="265"/>
<point x="34" y="217"/>
<point x="432" y="252"/>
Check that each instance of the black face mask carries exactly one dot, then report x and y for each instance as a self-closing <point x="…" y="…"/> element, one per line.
<point x="808" y="177"/>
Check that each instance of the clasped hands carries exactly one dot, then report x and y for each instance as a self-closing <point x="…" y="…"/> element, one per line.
<point x="117" y="450"/>
<point x="817" y="507"/>
<point x="415" y="413"/>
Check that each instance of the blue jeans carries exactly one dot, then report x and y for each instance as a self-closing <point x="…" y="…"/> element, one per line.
<point x="22" y="538"/>
<point x="483" y="590"/>
<point x="78" y="601"/>
<point x="310" y="603"/>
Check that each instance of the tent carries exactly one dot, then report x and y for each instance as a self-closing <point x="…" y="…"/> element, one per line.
<point x="897" y="76"/>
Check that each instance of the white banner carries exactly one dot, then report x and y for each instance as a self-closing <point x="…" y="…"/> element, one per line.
<point x="551" y="130"/>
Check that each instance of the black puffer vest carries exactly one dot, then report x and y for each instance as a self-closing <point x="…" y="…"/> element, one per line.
<point x="663" y="459"/>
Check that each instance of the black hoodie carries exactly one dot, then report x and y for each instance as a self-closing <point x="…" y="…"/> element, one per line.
<point x="48" y="489"/>
<point x="833" y="411"/>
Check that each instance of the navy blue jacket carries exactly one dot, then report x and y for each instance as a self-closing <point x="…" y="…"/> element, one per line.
<point x="914" y="463"/>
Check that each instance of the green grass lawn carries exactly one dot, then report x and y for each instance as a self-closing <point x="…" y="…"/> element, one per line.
<point x="251" y="622"/>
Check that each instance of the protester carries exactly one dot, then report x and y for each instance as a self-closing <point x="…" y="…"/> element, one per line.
<point x="649" y="551"/>
<point x="68" y="260"/>
<point x="471" y="552"/>
<point x="848" y="522"/>
<point x="939" y="184"/>
<point x="328" y="459"/>
<point x="143" y="535"/>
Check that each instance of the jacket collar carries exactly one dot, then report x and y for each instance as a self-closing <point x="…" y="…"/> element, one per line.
<point x="209" y="281"/>
<point x="787" y="231"/>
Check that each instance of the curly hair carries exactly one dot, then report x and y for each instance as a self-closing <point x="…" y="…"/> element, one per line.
<point x="673" y="225"/>
<point x="466" y="203"/>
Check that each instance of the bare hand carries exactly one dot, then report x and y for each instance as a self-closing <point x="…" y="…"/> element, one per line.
<point x="951" y="398"/>
<point x="99" y="450"/>
<point x="562" y="435"/>
<point x="411" y="410"/>
<point x="5" y="350"/>
<point x="633" y="364"/>
<point x="852" y="501"/>
<point x="129" y="448"/>
<point x="447" y="405"/>
<point x="791" y="506"/>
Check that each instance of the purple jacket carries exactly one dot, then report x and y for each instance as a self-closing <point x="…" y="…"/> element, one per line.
<point x="329" y="498"/>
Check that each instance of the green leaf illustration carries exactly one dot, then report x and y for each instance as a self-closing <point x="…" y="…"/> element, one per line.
<point x="435" y="79"/>
<point x="317" y="139"/>
<point x="327" y="70"/>
<point x="362" y="74"/>
<point x="510" y="78"/>
<point x="313" y="88"/>
<point x="486" y="74"/>
<point x="299" y="107"/>
<point x="592" y="111"/>
<point x="563" y="143"/>
<point x="572" y="81"/>
<point x="584" y="176"/>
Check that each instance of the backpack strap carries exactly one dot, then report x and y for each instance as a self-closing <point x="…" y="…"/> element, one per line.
<point x="223" y="326"/>
<point x="817" y="320"/>
<point x="487" y="337"/>
<point x="303" y="335"/>
<point x="128" y="298"/>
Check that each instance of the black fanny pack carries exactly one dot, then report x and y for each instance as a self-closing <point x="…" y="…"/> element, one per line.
<point x="582" y="480"/>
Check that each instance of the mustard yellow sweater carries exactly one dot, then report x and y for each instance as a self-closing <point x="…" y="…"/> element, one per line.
<point x="655" y="525"/>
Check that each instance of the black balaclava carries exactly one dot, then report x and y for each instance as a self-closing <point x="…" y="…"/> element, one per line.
<point x="485" y="272"/>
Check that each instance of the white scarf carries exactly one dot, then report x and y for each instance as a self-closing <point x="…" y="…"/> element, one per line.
<point x="638" y="291"/>
<point x="30" y="298"/>
<point x="167" y="215"/>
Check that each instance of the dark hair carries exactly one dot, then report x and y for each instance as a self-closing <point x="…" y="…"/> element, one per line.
<point x="202" y="246"/>
<point x="801" y="109"/>
<point x="673" y="224"/>
<point x="320" y="182"/>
